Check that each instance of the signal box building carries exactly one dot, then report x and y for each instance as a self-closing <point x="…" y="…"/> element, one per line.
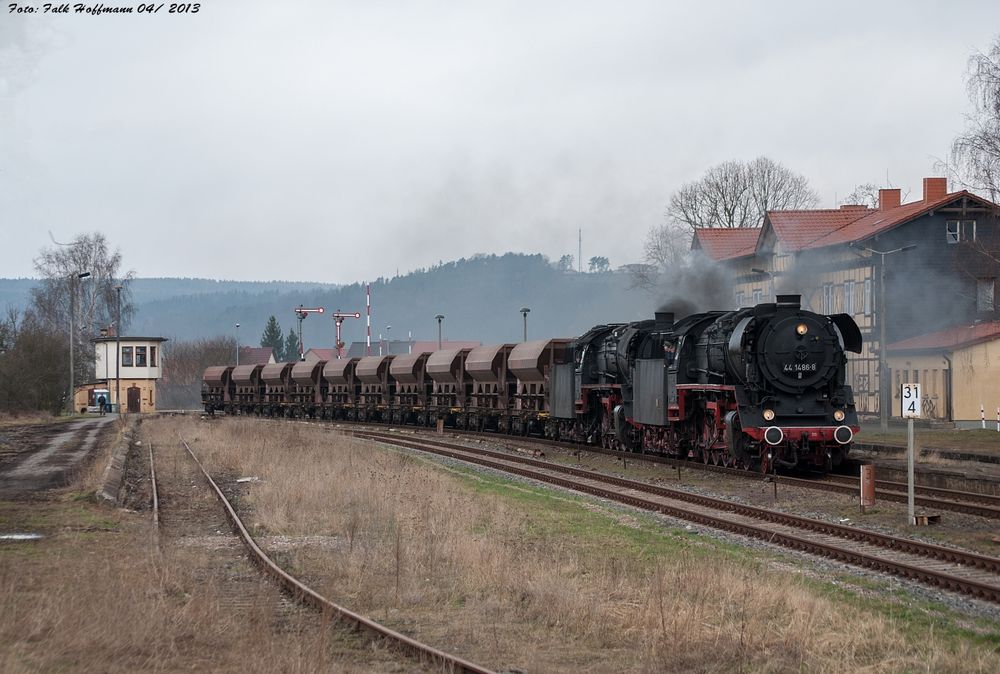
<point x="914" y="269"/>
<point x="133" y="373"/>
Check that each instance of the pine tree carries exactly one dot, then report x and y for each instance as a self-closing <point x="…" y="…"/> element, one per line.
<point x="272" y="338"/>
<point x="291" y="347"/>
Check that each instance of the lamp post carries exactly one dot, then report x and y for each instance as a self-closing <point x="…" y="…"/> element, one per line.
<point x="770" y="275"/>
<point x="884" y="397"/>
<point x="118" y="349"/>
<point x="72" y="336"/>
<point x="439" y="318"/>
<point x="388" y="340"/>
<point x="524" y="312"/>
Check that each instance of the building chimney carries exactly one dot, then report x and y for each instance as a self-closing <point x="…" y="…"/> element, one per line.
<point x="888" y="199"/>
<point x="935" y="188"/>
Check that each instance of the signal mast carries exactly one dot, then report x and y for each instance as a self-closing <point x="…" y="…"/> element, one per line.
<point x="338" y="317"/>
<point x="303" y="313"/>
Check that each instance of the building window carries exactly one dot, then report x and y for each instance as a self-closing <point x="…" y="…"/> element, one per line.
<point x="758" y="296"/>
<point x="740" y="298"/>
<point x="152" y="356"/>
<point x="849" y="297"/>
<point x="985" y="288"/>
<point x="140" y="356"/>
<point x="126" y="356"/>
<point x="868" y="297"/>
<point x="964" y="230"/>
<point x="827" y="298"/>
<point x="952" y="231"/>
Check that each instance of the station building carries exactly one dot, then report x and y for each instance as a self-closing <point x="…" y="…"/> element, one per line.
<point x="908" y="271"/>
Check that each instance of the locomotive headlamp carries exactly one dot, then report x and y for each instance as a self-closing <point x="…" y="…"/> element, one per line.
<point x="801" y="329"/>
<point x="769" y="415"/>
<point x="838" y="415"/>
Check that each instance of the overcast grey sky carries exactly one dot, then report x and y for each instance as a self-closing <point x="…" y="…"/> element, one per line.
<point x="340" y="141"/>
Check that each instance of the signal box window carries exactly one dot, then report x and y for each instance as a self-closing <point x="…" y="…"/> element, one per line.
<point x="126" y="356"/>
<point x="848" y="297"/>
<point x="152" y="356"/>
<point x="739" y="299"/>
<point x="758" y="296"/>
<point x="140" y="356"/>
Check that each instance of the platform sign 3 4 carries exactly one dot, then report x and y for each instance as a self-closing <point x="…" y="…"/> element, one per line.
<point x="910" y="396"/>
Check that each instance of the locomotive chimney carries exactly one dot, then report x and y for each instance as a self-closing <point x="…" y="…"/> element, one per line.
<point x="789" y="301"/>
<point x="664" y="320"/>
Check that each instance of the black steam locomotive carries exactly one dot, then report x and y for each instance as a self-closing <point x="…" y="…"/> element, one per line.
<point x="759" y="388"/>
<point x="754" y="387"/>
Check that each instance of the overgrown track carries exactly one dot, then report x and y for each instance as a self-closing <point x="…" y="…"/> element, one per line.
<point x="968" y="573"/>
<point x="307" y="596"/>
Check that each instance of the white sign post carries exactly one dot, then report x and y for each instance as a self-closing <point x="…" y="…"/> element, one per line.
<point x="909" y="396"/>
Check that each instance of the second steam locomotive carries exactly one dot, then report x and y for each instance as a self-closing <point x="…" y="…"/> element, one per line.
<point x="760" y="387"/>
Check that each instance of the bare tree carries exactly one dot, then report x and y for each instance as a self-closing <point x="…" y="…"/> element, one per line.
<point x="94" y="300"/>
<point x="975" y="154"/>
<point x="30" y="372"/>
<point x="667" y="246"/>
<point x="188" y="361"/>
<point x="738" y="194"/>
<point x="865" y="194"/>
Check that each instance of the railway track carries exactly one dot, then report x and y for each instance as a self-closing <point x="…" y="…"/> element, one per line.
<point x="304" y="595"/>
<point x="971" y="503"/>
<point x="964" y="572"/>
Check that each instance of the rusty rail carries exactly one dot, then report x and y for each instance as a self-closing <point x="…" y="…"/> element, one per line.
<point x="307" y="595"/>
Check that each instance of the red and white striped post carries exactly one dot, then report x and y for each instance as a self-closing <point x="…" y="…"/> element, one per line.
<point x="368" y="309"/>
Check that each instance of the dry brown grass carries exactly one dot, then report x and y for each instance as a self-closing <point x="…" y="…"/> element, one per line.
<point x="94" y="596"/>
<point x="510" y="575"/>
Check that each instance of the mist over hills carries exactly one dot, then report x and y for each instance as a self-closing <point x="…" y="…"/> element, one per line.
<point x="480" y="297"/>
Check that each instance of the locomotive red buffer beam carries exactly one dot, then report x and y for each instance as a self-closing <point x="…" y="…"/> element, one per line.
<point x="776" y="435"/>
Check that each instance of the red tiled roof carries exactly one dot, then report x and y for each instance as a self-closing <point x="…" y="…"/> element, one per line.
<point x="798" y="230"/>
<point x="726" y="243"/>
<point x="951" y="338"/>
<point x="801" y="230"/>
<point x="880" y="221"/>
<point x="256" y="355"/>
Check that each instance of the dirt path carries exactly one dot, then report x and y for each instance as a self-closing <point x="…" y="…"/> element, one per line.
<point x="45" y="456"/>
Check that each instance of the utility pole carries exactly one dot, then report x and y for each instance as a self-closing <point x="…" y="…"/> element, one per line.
<point x="118" y="351"/>
<point x="884" y="395"/>
<point x="524" y="312"/>
<point x="237" y="345"/>
<point x="72" y="336"/>
<point x="439" y="318"/>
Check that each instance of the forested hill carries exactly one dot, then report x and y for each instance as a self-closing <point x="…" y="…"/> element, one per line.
<point x="480" y="298"/>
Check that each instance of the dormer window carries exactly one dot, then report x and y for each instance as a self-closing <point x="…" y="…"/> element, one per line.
<point x="960" y="230"/>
